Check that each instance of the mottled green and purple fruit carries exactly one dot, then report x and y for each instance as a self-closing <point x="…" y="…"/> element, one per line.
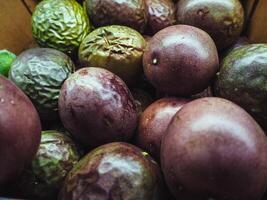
<point x="242" y="79"/>
<point x="56" y="156"/>
<point x="115" y="171"/>
<point x="40" y="72"/>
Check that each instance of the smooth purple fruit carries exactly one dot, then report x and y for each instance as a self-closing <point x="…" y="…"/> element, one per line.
<point x="214" y="149"/>
<point x="20" y="131"/>
<point x="154" y="122"/>
<point x="181" y="60"/>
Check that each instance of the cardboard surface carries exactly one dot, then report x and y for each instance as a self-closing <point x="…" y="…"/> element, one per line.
<point x="31" y="4"/>
<point x="257" y="25"/>
<point x="15" y="20"/>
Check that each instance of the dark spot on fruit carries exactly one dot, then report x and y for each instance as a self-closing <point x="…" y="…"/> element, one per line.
<point x="108" y="121"/>
<point x="72" y="112"/>
<point x="83" y="72"/>
<point x="202" y="12"/>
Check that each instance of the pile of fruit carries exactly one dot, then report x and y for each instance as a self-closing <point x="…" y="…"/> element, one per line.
<point x="135" y="100"/>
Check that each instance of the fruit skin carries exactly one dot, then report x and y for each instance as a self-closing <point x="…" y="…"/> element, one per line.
<point x="56" y="156"/>
<point x="160" y="14"/>
<point x="6" y="59"/>
<point x="242" y="79"/>
<point x="60" y="25"/>
<point x="180" y="60"/>
<point x="40" y="73"/>
<point x="208" y="92"/>
<point x="20" y="130"/>
<point x="154" y="122"/>
<point x="142" y="99"/>
<point x="114" y="171"/>
<point x="116" y="48"/>
<point x="96" y="107"/>
<point x="129" y="13"/>
<point x="241" y="41"/>
<point x="214" y="150"/>
<point x="222" y="20"/>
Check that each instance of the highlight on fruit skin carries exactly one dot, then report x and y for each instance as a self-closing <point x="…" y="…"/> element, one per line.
<point x="115" y="171"/>
<point x="181" y="60"/>
<point x="96" y="107"/>
<point x="214" y="149"/>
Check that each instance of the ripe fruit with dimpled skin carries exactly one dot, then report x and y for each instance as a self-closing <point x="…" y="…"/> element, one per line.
<point x="154" y="122"/>
<point x="129" y="13"/>
<point x="222" y="20"/>
<point x="20" y="130"/>
<point x="60" y="25"/>
<point x="115" y="171"/>
<point x="160" y="14"/>
<point x="181" y="60"/>
<point x="96" y="107"/>
<point x="214" y="150"/>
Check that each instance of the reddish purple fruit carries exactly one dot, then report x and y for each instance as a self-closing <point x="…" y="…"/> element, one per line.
<point x="115" y="171"/>
<point x="214" y="150"/>
<point x="154" y="122"/>
<point x="222" y="20"/>
<point x="96" y="107"/>
<point x="181" y="60"/>
<point x="160" y="14"/>
<point x="20" y="131"/>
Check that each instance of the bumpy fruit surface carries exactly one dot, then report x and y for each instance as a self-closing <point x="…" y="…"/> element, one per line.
<point x="116" y="48"/>
<point x="129" y="13"/>
<point x="60" y="24"/>
<point x="40" y="72"/>
<point x="56" y="156"/>
<point x="114" y="171"/>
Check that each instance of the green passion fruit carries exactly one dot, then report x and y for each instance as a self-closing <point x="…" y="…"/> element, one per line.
<point x="116" y="48"/>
